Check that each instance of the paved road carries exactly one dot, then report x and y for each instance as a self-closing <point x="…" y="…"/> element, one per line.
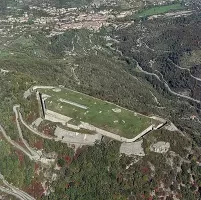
<point x="32" y="151"/>
<point x="33" y="130"/>
<point x="56" y="139"/>
<point x="30" y="90"/>
<point x="14" y="143"/>
<point x="115" y="136"/>
<point x="12" y="190"/>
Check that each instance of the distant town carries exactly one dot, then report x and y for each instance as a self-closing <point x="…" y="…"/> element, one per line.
<point x="56" y="21"/>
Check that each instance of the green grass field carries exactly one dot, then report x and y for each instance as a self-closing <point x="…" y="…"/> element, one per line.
<point x="98" y="113"/>
<point x="159" y="10"/>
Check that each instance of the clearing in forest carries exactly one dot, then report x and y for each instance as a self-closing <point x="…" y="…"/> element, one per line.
<point x="159" y="10"/>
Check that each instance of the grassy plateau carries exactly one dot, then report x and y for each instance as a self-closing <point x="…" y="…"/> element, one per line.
<point x="101" y="114"/>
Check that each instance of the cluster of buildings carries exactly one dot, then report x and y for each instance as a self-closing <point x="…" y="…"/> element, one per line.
<point x="57" y="21"/>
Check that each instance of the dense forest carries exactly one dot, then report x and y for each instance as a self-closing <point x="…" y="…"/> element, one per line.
<point x="3" y="5"/>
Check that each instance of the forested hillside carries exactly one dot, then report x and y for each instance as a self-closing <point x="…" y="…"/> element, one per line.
<point x="142" y="57"/>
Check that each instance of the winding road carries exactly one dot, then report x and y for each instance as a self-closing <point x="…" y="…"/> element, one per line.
<point x="185" y="69"/>
<point x="14" y="143"/>
<point x="166" y="85"/>
<point x="33" y="130"/>
<point x="31" y="153"/>
<point x="152" y="74"/>
<point x="12" y="190"/>
<point x="34" y="153"/>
